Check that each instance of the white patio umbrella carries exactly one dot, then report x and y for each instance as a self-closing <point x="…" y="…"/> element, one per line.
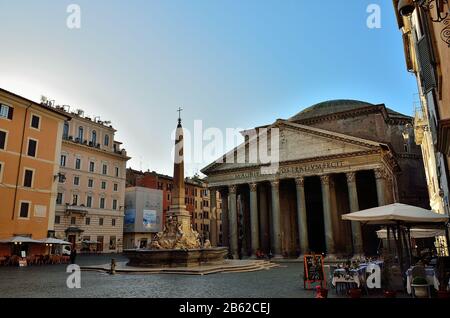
<point x="394" y="213"/>
<point x="52" y="240"/>
<point x="415" y="233"/>
<point x="19" y="239"/>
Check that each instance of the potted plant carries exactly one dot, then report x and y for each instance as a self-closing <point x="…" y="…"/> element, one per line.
<point x="386" y="278"/>
<point x="420" y="285"/>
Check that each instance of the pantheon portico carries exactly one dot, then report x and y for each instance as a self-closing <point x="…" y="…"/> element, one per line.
<point x="335" y="157"/>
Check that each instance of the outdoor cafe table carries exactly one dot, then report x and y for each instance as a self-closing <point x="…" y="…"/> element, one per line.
<point x="431" y="278"/>
<point x="356" y="276"/>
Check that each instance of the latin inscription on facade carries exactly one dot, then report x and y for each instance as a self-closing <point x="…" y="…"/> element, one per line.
<point x="304" y="169"/>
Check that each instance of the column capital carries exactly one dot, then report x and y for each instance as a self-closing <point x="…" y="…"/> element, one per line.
<point x="232" y="189"/>
<point x="351" y="177"/>
<point x="325" y="179"/>
<point x="275" y="183"/>
<point x="380" y="173"/>
<point x="213" y="189"/>
<point x="300" y="182"/>
<point x="253" y="186"/>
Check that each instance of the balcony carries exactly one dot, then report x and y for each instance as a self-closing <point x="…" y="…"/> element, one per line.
<point x="76" y="209"/>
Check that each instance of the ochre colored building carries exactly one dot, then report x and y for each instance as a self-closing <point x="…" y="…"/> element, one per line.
<point x="30" y="146"/>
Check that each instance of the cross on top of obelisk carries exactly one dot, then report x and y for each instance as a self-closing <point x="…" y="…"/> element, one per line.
<point x="179" y="115"/>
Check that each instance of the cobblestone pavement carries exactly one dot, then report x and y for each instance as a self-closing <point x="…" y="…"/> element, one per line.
<point x="50" y="281"/>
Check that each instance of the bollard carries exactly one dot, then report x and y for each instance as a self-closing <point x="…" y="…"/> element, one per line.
<point x="113" y="266"/>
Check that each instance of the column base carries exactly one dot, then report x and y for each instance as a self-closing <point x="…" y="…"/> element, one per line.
<point x="358" y="256"/>
<point x="331" y="257"/>
<point x="277" y="256"/>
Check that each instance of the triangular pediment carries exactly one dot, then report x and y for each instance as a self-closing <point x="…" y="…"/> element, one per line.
<point x="296" y="142"/>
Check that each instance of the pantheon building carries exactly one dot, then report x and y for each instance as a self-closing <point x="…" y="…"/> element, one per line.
<point x="336" y="157"/>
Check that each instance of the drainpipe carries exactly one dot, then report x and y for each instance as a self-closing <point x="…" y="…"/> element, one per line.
<point x="20" y="161"/>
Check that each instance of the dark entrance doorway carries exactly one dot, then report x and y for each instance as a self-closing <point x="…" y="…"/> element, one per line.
<point x="314" y="214"/>
<point x="367" y="198"/>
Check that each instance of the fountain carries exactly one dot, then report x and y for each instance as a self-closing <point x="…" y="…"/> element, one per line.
<point x="178" y="245"/>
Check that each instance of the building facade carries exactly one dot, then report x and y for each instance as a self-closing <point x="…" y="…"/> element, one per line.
<point x="335" y="157"/>
<point x="91" y="190"/>
<point x="143" y="216"/>
<point x="197" y="199"/>
<point x="426" y="39"/>
<point x="30" y="146"/>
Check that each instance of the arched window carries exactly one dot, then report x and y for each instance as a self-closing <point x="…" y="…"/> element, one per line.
<point x="94" y="137"/>
<point x="80" y="133"/>
<point x="106" y="140"/>
<point x="66" y="130"/>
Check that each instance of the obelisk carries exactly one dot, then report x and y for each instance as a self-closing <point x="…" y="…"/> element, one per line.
<point x="178" y="210"/>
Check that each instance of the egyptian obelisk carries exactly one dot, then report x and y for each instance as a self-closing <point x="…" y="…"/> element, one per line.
<point x="178" y="210"/>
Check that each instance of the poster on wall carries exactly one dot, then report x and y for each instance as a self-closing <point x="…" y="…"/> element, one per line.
<point x="150" y="220"/>
<point x="129" y="219"/>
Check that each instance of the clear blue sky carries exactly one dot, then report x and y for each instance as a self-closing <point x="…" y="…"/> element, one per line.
<point x="230" y="63"/>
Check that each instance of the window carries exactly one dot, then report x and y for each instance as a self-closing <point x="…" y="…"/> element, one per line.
<point x="90" y="183"/>
<point x="168" y="196"/>
<point x="75" y="199"/>
<point x="105" y="169"/>
<point x="117" y="171"/>
<point x="76" y="180"/>
<point x="100" y="221"/>
<point x="59" y="198"/>
<point x="63" y="160"/>
<point x="32" y="146"/>
<point x="116" y="187"/>
<point x="106" y="141"/>
<point x="66" y="130"/>
<point x="112" y="243"/>
<point x="114" y="204"/>
<point x="113" y="222"/>
<point x="80" y="134"/>
<point x="35" y="121"/>
<point x="61" y="178"/>
<point x="28" y="178"/>
<point x="2" y="139"/>
<point x="24" y="209"/>
<point x="57" y="219"/>
<point x="1" y="171"/>
<point x="73" y="220"/>
<point x="88" y="221"/>
<point x="6" y="111"/>
<point x="91" y="166"/>
<point x="102" y="203"/>
<point x="89" y="201"/>
<point x="94" y="137"/>
<point x="78" y="163"/>
<point x="103" y="185"/>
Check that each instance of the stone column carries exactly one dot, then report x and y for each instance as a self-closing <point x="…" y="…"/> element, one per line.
<point x="276" y="225"/>
<point x="301" y="215"/>
<point x="254" y="223"/>
<point x="354" y="207"/>
<point x="264" y="219"/>
<point x="328" y="220"/>
<point x="213" y="216"/>
<point x="233" y="222"/>
<point x="380" y="177"/>
<point x="225" y="225"/>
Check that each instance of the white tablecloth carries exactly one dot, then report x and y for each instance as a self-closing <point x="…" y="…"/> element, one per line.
<point x="351" y="277"/>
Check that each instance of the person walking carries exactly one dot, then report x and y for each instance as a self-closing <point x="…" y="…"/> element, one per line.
<point x="73" y="255"/>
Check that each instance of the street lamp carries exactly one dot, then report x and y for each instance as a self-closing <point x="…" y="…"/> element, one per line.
<point x="407" y="7"/>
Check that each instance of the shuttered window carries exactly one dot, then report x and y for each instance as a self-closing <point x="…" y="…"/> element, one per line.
<point x="2" y="139"/>
<point x="427" y="71"/>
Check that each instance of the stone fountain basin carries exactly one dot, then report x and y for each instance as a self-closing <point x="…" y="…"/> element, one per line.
<point x="176" y="257"/>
